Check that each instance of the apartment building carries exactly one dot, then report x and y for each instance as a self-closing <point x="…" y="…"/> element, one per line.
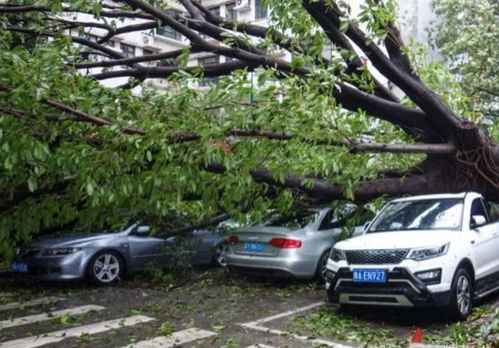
<point x="415" y="17"/>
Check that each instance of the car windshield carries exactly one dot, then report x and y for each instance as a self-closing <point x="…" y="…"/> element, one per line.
<point x="291" y="222"/>
<point x="428" y="214"/>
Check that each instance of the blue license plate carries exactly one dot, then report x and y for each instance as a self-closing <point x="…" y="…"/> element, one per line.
<point x="254" y="247"/>
<point x="20" y="267"/>
<point x="369" y="275"/>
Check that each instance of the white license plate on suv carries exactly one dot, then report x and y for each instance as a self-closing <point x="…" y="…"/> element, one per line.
<point x="369" y="275"/>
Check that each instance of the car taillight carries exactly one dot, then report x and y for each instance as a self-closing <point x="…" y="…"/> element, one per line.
<point x="285" y="243"/>
<point x="233" y="240"/>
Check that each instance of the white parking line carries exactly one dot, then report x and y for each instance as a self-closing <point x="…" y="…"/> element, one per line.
<point x="423" y="345"/>
<point x="290" y="335"/>
<point x="284" y="314"/>
<point x="57" y="336"/>
<point x="256" y="325"/>
<point x="176" y="338"/>
<point x="37" y="302"/>
<point x="48" y="316"/>
<point x="258" y="345"/>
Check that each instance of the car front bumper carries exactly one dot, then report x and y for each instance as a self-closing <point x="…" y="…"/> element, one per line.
<point x="402" y="288"/>
<point x="63" y="267"/>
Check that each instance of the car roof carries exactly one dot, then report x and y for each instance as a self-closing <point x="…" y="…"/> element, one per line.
<point x="459" y="195"/>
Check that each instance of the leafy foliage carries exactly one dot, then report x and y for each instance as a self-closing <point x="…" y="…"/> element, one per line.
<point x="74" y="153"/>
<point x="345" y="327"/>
<point x="466" y="34"/>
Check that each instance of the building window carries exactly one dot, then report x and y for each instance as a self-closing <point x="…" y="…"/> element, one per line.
<point x="90" y="37"/>
<point x="230" y="13"/>
<point x="206" y="62"/>
<point x="168" y="32"/>
<point x="260" y="10"/>
<point x="167" y="62"/>
<point x="215" y="11"/>
<point x="230" y="59"/>
<point x="128" y="50"/>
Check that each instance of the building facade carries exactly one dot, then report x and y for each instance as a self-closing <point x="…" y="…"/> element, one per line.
<point x="415" y="16"/>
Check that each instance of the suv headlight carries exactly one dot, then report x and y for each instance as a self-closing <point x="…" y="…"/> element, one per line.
<point x="60" y="251"/>
<point x="428" y="253"/>
<point x="337" y="255"/>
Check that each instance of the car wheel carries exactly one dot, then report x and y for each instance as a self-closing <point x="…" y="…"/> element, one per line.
<point x="322" y="266"/>
<point x="461" y="295"/>
<point x="219" y="257"/>
<point x="105" y="267"/>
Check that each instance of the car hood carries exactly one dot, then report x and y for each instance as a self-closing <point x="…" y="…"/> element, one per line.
<point x="399" y="240"/>
<point x="72" y="240"/>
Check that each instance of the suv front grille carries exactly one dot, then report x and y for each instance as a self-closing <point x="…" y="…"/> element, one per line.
<point x="364" y="257"/>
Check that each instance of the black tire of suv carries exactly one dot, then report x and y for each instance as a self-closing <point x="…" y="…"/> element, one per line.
<point x="319" y="272"/>
<point x="461" y="290"/>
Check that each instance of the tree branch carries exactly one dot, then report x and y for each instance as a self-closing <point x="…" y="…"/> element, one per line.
<point x="442" y="116"/>
<point x="324" y="192"/>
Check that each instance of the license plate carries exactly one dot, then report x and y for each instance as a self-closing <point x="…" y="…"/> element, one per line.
<point x="254" y="247"/>
<point x="369" y="275"/>
<point x="20" y="267"/>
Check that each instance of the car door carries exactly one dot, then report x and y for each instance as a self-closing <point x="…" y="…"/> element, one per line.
<point x="485" y="241"/>
<point x="146" y="249"/>
<point x="199" y="244"/>
<point x="328" y="230"/>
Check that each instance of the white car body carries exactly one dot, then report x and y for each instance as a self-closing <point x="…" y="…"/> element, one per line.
<point x="473" y="248"/>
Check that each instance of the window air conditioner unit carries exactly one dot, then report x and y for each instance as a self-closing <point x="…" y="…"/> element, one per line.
<point x="146" y="39"/>
<point x="242" y="5"/>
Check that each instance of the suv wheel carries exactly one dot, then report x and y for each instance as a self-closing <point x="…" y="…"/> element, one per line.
<point x="322" y="267"/>
<point x="461" y="295"/>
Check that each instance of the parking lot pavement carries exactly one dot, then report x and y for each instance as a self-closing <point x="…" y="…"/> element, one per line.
<point x="219" y="311"/>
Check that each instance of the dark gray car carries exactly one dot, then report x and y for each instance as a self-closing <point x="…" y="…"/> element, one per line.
<point x="103" y="257"/>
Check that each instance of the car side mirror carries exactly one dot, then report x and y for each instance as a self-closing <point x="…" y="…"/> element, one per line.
<point x="366" y="225"/>
<point x="142" y="230"/>
<point x="477" y="220"/>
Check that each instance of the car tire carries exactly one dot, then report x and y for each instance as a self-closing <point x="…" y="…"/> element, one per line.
<point x="461" y="301"/>
<point x="105" y="267"/>
<point x="330" y="296"/>
<point x="321" y="267"/>
<point x="219" y="255"/>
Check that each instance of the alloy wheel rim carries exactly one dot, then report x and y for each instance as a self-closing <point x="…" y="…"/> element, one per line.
<point x="220" y="255"/>
<point x="463" y="294"/>
<point x="106" y="268"/>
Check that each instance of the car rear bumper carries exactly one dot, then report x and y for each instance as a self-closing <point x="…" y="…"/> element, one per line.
<point x="65" y="267"/>
<point x="279" y="267"/>
<point x="402" y="288"/>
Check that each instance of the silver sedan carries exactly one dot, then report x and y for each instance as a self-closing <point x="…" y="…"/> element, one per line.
<point x="103" y="257"/>
<point x="296" y="247"/>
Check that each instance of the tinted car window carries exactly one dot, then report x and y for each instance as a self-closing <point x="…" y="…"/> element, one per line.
<point x="420" y="215"/>
<point x="477" y="208"/>
<point x="291" y="222"/>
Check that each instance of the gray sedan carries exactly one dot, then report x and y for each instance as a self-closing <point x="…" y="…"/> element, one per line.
<point x="296" y="246"/>
<point x="103" y="257"/>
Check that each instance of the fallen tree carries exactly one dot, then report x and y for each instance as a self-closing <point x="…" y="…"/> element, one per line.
<point x="285" y="125"/>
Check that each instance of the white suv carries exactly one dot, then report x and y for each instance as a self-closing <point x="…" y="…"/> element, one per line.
<point x="438" y="250"/>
